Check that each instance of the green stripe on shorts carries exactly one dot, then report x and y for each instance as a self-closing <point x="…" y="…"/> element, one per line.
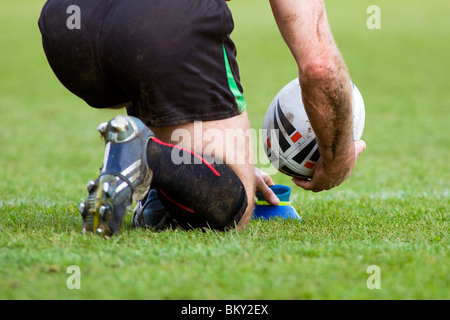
<point x="233" y="85"/>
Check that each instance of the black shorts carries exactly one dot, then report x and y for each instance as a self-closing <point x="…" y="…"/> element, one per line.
<point x="170" y="61"/>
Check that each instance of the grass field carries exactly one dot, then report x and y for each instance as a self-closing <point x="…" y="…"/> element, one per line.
<point x="393" y="213"/>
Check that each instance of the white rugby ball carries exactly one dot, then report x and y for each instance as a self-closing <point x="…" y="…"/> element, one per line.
<point x="288" y="138"/>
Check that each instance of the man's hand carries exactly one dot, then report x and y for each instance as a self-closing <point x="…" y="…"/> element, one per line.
<point x="263" y="181"/>
<point x="326" y="89"/>
<point x="327" y="176"/>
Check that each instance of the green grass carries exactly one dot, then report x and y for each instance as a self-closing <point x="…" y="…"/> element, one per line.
<point x="393" y="212"/>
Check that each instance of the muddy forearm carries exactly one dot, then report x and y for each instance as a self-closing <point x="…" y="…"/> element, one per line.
<point x="327" y="98"/>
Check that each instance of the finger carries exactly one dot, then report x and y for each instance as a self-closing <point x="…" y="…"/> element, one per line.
<point x="267" y="179"/>
<point x="308" y="185"/>
<point x="269" y="195"/>
<point x="303" y="183"/>
<point x="360" y="146"/>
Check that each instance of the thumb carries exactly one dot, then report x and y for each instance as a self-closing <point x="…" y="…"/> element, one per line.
<point x="360" y="146"/>
<point x="303" y="183"/>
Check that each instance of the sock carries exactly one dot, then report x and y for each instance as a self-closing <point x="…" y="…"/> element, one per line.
<point x="195" y="192"/>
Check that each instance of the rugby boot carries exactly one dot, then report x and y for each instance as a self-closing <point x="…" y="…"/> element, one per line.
<point x="150" y="213"/>
<point x="124" y="178"/>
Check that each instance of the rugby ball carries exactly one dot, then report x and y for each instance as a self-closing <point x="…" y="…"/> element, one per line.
<point x="288" y="138"/>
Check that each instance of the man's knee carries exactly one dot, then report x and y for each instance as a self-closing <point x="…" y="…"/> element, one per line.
<point x="229" y="143"/>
